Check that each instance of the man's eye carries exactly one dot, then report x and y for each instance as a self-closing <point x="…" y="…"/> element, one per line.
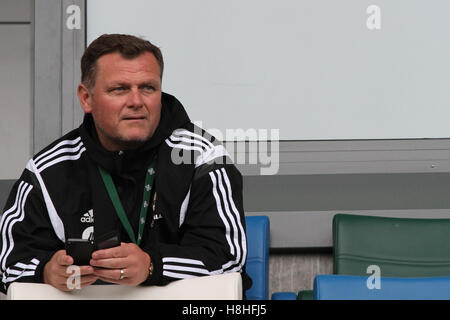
<point x="148" y="87"/>
<point x="117" y="89"/>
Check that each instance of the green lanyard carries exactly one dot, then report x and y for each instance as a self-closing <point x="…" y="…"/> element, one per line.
<point x="112" y="192"/>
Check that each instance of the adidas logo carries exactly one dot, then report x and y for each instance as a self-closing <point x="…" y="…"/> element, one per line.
<point x="88" y="217"/>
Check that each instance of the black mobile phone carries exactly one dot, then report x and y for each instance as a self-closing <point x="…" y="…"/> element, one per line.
<point x="107" y="240"/>
<point x="80" y="250"/>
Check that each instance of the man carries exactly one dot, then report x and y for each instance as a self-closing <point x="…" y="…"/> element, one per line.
<point x="120" y="172"/>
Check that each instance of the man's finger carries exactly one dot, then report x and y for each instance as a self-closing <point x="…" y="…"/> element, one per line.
<point x="108" y="274"/>
<point x="110" y="263"/>
<point x="87" y="280"/>
<point x="86" y="270"/>
<point x="63" y="259"/>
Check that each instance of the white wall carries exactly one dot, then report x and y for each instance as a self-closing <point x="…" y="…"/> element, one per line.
<point x="311" y="68"/>
<point x="15" y="89"/>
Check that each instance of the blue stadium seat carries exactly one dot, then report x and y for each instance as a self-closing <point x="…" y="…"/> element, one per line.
<point x="258" y="237"/>
<point x="285" y="295"/>
<point x="342" y="287"/>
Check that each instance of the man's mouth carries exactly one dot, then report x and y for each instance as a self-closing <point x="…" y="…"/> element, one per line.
<point x="134" y="118"/>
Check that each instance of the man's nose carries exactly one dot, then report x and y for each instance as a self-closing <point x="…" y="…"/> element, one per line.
<point x="135" y="99"/>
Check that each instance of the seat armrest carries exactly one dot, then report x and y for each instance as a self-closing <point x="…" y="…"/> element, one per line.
<point x="226" y="286"/>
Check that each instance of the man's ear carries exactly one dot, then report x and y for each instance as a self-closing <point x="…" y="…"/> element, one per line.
<point x="85" y="97"/>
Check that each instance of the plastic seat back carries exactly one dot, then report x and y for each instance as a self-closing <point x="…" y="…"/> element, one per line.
<point x="400" y="247"/>
<point x="258" y="239"/>
<point x="342" y="287"/>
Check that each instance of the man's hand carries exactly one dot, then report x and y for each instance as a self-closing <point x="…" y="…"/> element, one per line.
<point x="128" y="257"/>
<point x="55" y="272"/>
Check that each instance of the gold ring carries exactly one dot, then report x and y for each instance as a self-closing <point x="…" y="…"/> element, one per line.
<point x="122" y="274"/>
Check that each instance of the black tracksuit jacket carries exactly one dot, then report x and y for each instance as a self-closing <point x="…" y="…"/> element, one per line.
<point x="195" y="227"/>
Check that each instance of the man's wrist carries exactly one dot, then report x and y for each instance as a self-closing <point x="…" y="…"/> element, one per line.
<point x="153" y="268"/>
<point x="150" y="268"/>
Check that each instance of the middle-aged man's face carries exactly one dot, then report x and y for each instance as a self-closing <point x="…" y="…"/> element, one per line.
<point x="125" y="101"/>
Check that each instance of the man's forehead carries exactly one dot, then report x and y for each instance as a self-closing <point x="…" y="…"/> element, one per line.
<point x="115" y="63"/>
